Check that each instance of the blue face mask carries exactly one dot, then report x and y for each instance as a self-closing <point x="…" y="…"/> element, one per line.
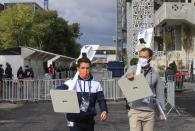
<point x="143" y="62"/>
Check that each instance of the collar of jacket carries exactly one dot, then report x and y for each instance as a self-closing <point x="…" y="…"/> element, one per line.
<point x="88" y="79"/>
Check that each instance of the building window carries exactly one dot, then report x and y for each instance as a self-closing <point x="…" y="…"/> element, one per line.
<point x="174" y="33"/>
<point x="176" y="42"/>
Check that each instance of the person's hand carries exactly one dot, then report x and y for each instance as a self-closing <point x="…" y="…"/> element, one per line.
<point x="161" y="117"/>
<point x="130" y="76"/>
<point x="103" y="116"/>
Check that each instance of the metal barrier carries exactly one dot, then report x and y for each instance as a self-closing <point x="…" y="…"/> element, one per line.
<point x="171" y="96"/>
<point x="65" y="74"/>
<point x="111" y="89"/>
<point x="182" y="82"/>
<point x="102" y="75"/>
<point x="28" y="90"/>
<point x="177" y="83"/>
<point x="36" y="90"/>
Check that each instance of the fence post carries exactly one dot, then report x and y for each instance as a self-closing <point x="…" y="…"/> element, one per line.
<point x="171" y="97"/>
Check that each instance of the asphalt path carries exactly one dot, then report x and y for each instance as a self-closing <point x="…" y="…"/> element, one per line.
<point x="40" y="117"/>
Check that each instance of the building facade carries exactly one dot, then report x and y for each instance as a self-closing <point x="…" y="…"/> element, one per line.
<point x="175" y="22"/>
<point x="35" y="3"/>
<point x="140" y="16"/>
<point x="172" y="16"/>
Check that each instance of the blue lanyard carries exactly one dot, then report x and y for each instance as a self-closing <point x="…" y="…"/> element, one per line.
<point x="151" y="79"/>
<point x="145" y="73"/>
<point x="89" y="83"/>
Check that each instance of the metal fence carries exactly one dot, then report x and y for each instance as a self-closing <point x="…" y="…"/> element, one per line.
<point x="177" y="83"/>
<point x="181" y="82"/>
<point x="102" y="75"/>
<point x="111" y="89"/>
<point x="65" y="74"/>
<point x="28" y="90"/>
<point x="39" y="90"/>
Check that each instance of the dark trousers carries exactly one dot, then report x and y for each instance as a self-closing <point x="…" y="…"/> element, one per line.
<point x="83" y="127"/>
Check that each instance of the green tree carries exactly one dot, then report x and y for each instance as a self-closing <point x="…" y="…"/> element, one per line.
<point x="52" y="33"/>
<point x="187" y="41"/>
<point x="21" y="25"/>
<point x="41" y="28"/>
<point x="15" y="25"/>
<point x="134" y="61"/>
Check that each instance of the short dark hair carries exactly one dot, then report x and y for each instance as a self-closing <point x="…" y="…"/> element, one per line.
<point x="84" y="59"/>
<point x="149" y="51"/>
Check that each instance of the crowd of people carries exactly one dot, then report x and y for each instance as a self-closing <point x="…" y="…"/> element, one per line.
<point x="21" y="74"/>
<point x="25" y="74"/>
<point x="60" y="72"/>
<point x="8" y="74"/>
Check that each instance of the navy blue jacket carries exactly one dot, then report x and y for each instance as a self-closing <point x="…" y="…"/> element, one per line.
<point x="95" y="95"/>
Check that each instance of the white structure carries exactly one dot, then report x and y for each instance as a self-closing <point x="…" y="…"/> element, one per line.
<point x="175" y="14"/>
<point x="140" y="16"/>
<point x="172" y="17"/>
<point x="37" y="59"/>
<point x="108" y="51"/>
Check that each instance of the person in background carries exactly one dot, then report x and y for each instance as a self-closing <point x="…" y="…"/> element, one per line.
<point x="88" y="91"/>
<point x="20" y="73"/>
<point x="173" y="66"/>
<point x="8" y="71"/>
<point x="1" y="72"/>
<point x="142" y="112"/>
<point x="27" y="72"/>
<point x="59" y="70"/>
<point x="31" y="73"/>
<point x="20" y="76"/>
<point x="169" y="74"/>
<point x="52" y="71"/>
<point x="1" y="78"/>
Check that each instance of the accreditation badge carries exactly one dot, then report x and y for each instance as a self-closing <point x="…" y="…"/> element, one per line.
<point x="84" y="104"/>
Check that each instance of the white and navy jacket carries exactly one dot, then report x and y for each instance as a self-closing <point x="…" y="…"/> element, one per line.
<point x="95" y="95"/>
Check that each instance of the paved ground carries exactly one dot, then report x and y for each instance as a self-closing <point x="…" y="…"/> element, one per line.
<point x="40" y="117"/>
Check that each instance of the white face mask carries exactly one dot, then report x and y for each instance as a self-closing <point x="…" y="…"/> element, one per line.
<point x="143" y="62"/>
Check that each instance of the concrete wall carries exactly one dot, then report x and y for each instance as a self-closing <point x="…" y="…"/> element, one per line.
<point x="14" y="60"/>
<point x="175" y="11"/>
<point x="37" y="66"/>
<point x="17" y="60"/>
<point x="111" y="58"/>
<point x="140" y="15"/>
<point x="176" y="56"/>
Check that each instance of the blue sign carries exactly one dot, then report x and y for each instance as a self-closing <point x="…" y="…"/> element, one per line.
<point x="86" y="46"/>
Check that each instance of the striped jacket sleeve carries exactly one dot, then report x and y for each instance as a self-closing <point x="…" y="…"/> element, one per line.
<point x="101" y="100"/>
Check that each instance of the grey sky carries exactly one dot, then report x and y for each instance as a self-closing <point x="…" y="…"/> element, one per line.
<point x="96" y="18"/>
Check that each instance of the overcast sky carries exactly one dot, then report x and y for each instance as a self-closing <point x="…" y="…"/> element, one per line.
<point x="96" y="17"/>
